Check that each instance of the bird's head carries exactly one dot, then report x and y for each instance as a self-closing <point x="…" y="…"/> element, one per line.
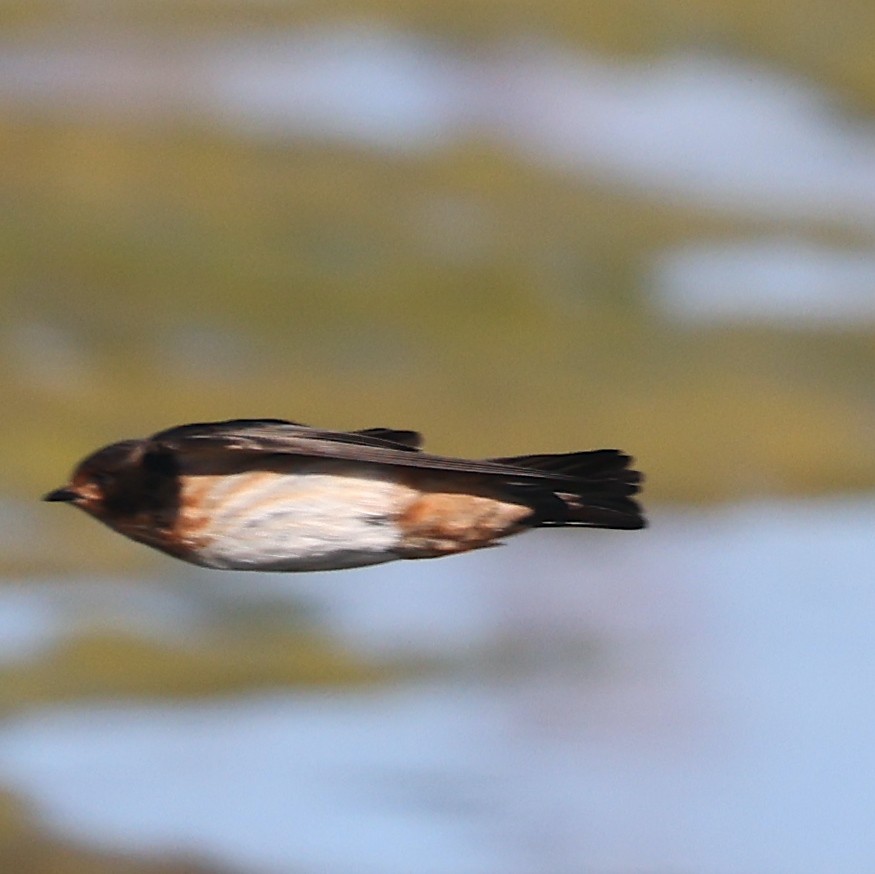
<point x="105" y="482"/>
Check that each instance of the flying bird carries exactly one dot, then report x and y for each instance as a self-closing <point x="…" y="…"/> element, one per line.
<point x="273" y="495"/>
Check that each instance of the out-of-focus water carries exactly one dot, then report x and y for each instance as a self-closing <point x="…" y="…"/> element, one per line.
<point x="696" y="697"/>
<point x="728" y="133"/>
<point x="714" y="131"/>
<point x="780" y="281"/>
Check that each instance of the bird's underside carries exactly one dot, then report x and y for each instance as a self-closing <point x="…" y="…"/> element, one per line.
<point x="268" y="494"/>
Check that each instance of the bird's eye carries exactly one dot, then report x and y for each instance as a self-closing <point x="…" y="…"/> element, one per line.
<point x="101" y="479"/>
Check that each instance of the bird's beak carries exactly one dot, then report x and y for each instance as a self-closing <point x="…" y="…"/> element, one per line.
<point x="65" y="493"/>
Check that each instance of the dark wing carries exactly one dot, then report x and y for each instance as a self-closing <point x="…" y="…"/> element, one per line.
<point x="404" y="439"/>
<point x="263" y="434"/>
<point x="272" y="437"/>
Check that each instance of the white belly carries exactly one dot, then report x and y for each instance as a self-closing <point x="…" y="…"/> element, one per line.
<point x="302" y="521"/>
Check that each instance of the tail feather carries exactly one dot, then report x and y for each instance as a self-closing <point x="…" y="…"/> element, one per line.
<point x="600" y="494"/>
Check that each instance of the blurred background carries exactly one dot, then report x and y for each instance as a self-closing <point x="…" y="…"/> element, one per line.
<point x="516" y="225"/>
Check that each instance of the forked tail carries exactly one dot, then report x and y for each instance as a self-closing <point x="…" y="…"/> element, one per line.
<point x="592" y="489"/>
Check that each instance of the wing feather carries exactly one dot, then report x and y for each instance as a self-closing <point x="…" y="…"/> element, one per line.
<point x="254" y="437"/>
<point x="409" y="440"/>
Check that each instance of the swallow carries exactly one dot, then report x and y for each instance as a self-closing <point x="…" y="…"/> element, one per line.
<point x="274" y="495"/>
